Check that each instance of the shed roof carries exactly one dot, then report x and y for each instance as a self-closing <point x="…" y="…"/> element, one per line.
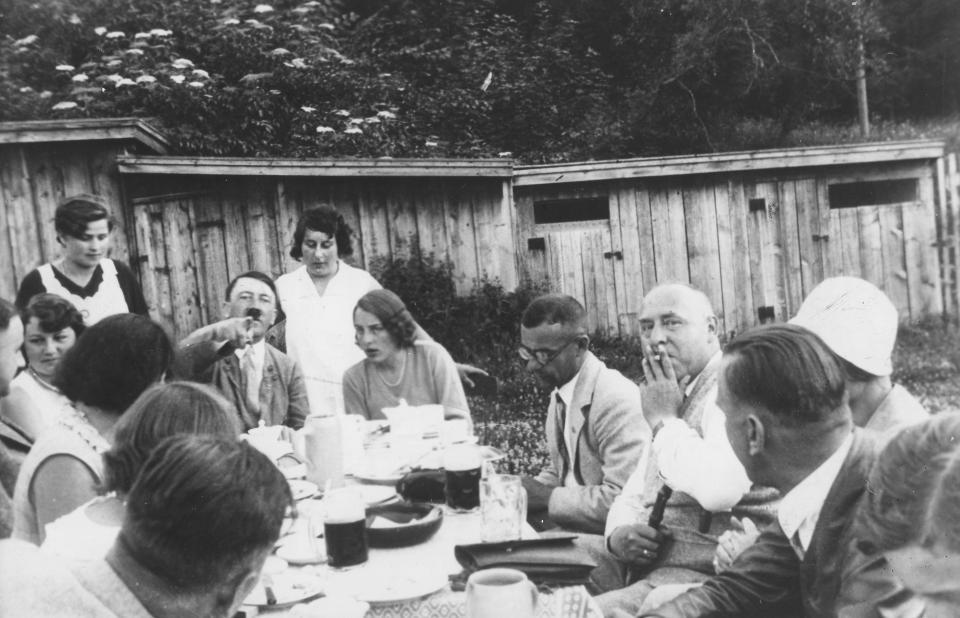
<point x="533" y="175"/>
<point x="83" y="129"/>
<point x="245" y="166"/>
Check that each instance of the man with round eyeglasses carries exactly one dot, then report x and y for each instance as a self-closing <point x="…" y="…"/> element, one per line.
<point x="595" y="430"/>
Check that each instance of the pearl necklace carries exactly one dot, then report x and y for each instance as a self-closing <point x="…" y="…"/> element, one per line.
<point x="41" y="381"/>
<point x="77" y="422"/>
<point x="403" y="368"/>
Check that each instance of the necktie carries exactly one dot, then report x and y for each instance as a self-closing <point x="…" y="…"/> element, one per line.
<point x="561" y="429"/>
<point x="251" y="381"/>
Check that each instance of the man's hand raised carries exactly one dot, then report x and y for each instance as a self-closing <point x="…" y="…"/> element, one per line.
<point x="660" y="394"/>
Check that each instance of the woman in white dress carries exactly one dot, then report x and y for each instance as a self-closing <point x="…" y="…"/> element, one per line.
<point x="51" y="326"/>
<point x="318" y="299"/>
<point x="164" y="410"/>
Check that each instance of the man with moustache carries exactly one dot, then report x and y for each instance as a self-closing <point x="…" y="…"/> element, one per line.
<point x="595" y="429"/>
<point x="787" y="417"/>
<point x="263" y="383"/>
<point x="11" y="340"/>
<point x="690" y="453"/>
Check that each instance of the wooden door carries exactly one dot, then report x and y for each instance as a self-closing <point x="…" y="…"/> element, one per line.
<point x="567" y="248"/>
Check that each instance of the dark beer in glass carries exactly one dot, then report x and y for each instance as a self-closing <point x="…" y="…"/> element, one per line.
<point x="345" y="528"/>
<point x="461" y="465"/>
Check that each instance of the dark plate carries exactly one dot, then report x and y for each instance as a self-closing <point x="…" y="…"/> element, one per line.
<point x="418" y="522"/>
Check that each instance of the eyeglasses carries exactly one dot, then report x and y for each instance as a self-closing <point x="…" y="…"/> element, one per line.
<point x="543" y="357"/>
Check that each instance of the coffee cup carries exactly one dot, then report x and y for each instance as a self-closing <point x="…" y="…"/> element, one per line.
<point x="495" y="593"/>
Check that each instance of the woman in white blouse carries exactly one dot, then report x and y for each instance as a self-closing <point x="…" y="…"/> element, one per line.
<point x="318" y="299"/>
<point x="51" y="326"/>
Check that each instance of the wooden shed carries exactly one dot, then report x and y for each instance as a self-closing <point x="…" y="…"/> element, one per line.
<point x="202" y="221"/>
<point x="755" y="230"/>
<point x="42" y="162"/>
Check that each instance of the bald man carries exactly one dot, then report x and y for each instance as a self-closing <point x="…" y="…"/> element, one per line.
<point x="690" y="453"/>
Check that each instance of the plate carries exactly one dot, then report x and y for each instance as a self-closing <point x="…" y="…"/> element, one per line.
<point x="302" y="489"/>
<point x="289" y="588"/>
<point x="376" y="494"/>
<point x="380" y="587"/>
<point x="295" y="551"/>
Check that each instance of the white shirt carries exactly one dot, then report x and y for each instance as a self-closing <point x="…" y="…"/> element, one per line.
<point x="320" y="330"/>
<point x="706" y="468"/>
<point x="259" y="351"/>
<point x="566" y="394"/>
<point x="800" y="509"/>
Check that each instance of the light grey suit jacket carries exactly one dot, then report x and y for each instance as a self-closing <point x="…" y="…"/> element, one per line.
<point x="612" y="436"/>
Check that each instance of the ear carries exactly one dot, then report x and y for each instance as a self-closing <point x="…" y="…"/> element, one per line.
<point x="583" y="342"/>
<point x="756" y="435"/>
<point x="225" y="309"/>
<point x="230" y="595"/>
<point x="60" y="241"/>
<point x="713" y="325"/>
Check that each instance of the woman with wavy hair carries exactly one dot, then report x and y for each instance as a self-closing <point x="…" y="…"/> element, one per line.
<point x="318" y="300"/>
<point x="51" y="326"/>
<point x="398" y="364"/>
<point x="162" y="411"/>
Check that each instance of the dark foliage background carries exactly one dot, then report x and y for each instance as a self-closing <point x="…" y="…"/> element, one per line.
<point x="534" y="79"/>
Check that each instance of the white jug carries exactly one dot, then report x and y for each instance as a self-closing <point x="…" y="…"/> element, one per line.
<point x="321" y="439"/>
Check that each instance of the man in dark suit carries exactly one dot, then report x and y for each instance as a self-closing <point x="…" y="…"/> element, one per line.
<point x="262" y="382"/>
<point x="787" y="418"/>
<point x="595" y="430"/>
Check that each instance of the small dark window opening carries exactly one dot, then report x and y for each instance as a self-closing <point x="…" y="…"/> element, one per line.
<point x="571" y="210"/>
<point x="537" y="244"/>
<point x="758" y="204"/>
<point x="873" y="193"/>
<point x="766" y="314"/>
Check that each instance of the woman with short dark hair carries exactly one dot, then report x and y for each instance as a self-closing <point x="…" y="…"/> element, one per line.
<point x="398" y="365"/>
<point x="51" y="326"/>
<point x="110" y="365"/>
<point x="318" y="300"/>
<point x="163" y="410"/>
<point x="84" y="274"/>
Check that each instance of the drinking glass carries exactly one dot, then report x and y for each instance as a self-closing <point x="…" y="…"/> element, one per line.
<point x="503" y="507"/>
<point x="345" y="527"/>
<point x="461" y="476"/>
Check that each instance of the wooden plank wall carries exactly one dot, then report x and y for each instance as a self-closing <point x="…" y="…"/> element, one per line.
<point x="33" y="180"/>
<point x="701" y="230"/>
<point x="193" y="244"/>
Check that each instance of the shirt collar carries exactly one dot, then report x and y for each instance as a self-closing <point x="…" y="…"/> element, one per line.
<point x="259" y="350"/>
<point x="800" y="509"/>
<point x="566" y="391"/>
<point x="692" y="383"/>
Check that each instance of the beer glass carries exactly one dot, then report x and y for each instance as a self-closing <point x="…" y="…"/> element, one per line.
<point x="461" y="465"/>
<point x="345" y="527"/>
<point x="503" y="507"/>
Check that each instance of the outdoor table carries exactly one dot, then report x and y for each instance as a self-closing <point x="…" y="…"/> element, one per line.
<point x="436" y="555"/>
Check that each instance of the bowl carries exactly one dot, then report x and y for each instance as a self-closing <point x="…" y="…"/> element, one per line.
<point x="414" y="522"/>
